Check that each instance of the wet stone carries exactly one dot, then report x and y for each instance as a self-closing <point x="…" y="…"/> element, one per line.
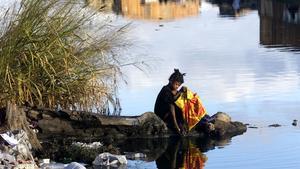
<point x="275" y="125"/>
<point x="295" y="122"/>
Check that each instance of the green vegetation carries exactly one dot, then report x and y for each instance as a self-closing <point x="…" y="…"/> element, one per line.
<point x="57" y="53"/>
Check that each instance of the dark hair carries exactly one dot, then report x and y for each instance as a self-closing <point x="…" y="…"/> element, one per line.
<point x="177" y="76"/>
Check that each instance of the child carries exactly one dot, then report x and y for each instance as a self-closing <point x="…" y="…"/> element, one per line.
<point x="165" y="106"/>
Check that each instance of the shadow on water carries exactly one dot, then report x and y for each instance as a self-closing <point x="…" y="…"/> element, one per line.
<point x="174" y="152"/>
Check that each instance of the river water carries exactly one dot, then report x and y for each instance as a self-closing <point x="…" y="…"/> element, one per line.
<point x="241" y="57"/>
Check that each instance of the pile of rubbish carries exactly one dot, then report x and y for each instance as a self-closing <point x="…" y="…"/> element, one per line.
<point x="15" y="150"/>
<point x="93" y="145"/>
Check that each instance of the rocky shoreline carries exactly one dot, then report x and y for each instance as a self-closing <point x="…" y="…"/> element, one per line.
<point x="59" y="130"/>
<point x="148" y="125"/>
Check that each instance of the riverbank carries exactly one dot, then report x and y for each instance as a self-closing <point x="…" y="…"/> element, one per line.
<point x="59" y="130"/>
<point x="148" y="125"/>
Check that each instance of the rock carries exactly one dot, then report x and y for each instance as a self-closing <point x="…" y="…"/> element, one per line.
<point x="295" y="122"/>
<point x="253" y="127"/>
<point x="222" y="117"/>
<point x="227" y="129"/>
<point x="74" y="165"/>
<point x="56" y="126"/>
<point x="107" y="159"/>
<point x="47" y="116"/>
<point x="148" y="125"/>
<point x="115" y="120"/>
<point x="35" y="115"/>
<point x="275" y="125"/>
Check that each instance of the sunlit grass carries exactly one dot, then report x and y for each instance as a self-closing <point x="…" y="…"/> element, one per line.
<point x="53" y="53"/>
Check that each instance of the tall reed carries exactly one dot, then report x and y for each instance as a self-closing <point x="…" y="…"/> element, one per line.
<point x="55" y="53"/>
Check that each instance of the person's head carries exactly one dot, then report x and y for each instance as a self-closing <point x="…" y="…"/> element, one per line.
<point x="176" y="79"/>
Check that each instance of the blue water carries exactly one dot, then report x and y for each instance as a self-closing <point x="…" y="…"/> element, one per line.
<point x="245" y="63"/>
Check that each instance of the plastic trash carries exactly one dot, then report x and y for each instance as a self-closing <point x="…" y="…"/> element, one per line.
<point x="9" y="138"/>
<point x="75" y="165"/>
<point x="108" y="159"/>
<point x="7" y="158"/>
<point x="93" y="145"/>
<point x="134" y="156"/>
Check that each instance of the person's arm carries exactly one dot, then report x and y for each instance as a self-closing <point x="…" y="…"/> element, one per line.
<point x="182" y="90"/>
<point x="172" y="109"/>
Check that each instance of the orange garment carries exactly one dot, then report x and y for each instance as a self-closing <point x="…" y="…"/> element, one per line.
<point x="191" y="107"/>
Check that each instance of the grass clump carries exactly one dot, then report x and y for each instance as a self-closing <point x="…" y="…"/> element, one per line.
<point x="56" y="53"/>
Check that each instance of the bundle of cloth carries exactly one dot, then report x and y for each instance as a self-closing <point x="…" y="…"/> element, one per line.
<point x="191" y="107"/>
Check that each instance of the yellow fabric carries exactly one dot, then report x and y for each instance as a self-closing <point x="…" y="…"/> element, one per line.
<point x="191" y="107"/>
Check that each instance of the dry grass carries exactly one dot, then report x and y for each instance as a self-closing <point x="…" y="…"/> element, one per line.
<point x="53" y="54"/>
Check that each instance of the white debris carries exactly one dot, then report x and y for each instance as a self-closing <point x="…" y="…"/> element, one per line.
<point x="93" y="145"/>
<point x="108" y="159"/>
<point x="9" y="138"/>
<point x="75" y="165"/>
<point x="15" y="147"/>
<point x="134" y="156"/>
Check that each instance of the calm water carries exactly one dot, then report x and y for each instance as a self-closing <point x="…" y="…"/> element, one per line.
<point x="241" y="58"/>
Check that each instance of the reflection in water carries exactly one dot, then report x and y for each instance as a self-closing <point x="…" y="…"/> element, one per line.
<point x="151" y="9"/>
<point x="159" y="9"/>
<point x="280" y="24"/>
<point x="235" y="8"/>
<point x="181" y="154"/>
<point x="173" y="152"/>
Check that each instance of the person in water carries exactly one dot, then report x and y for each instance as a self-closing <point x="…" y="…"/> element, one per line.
<point x="165" y="106"/>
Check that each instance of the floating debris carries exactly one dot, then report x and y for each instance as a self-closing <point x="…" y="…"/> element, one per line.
<point x="93" y="145"/>
<point x="295" y="122"/>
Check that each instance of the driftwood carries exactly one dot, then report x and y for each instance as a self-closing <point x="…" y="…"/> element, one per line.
<point x="16" y="119"/>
